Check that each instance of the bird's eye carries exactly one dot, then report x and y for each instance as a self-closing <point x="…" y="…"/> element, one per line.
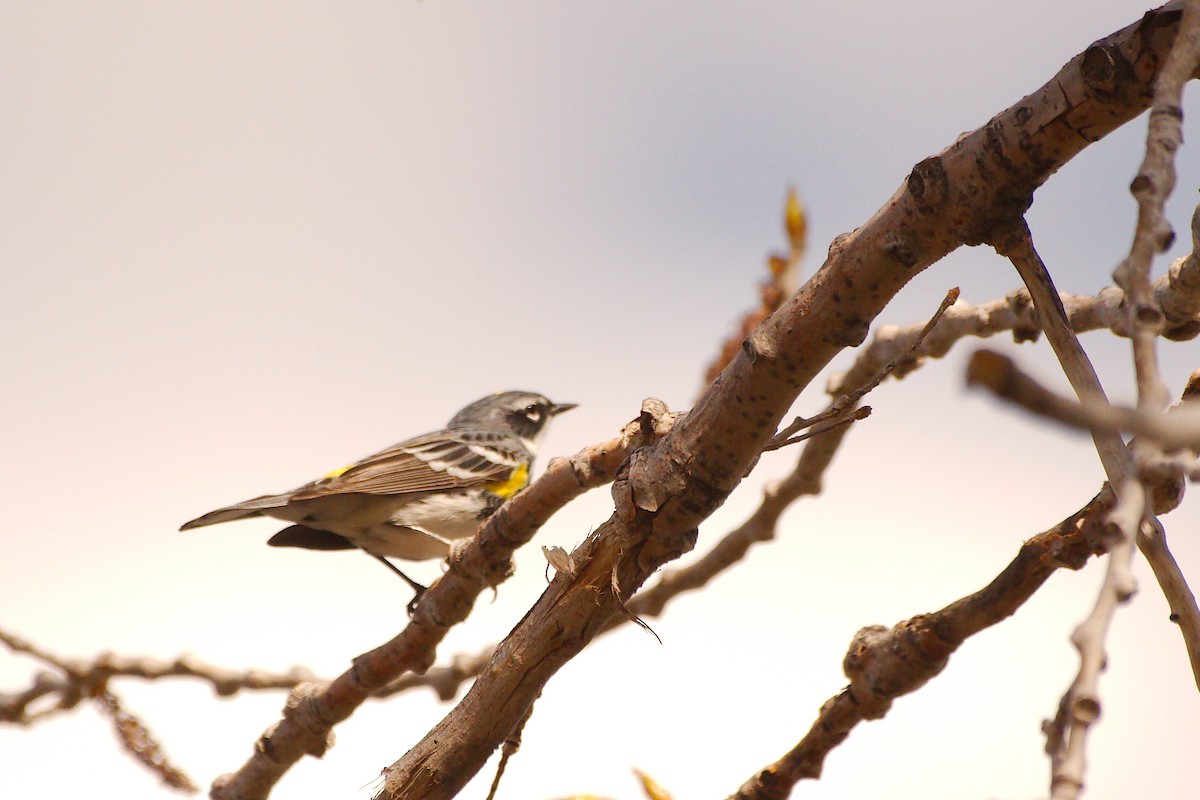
<point x="532" y="411"/>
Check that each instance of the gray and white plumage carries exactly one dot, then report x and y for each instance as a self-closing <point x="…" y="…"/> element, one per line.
<point x="411" y="499"/>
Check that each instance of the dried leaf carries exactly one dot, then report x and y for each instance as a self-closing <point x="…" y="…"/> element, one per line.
<point x="650" y="786"/>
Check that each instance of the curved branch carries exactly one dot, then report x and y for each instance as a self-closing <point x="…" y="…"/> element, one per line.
<point x="313" y="709"/>
<point x="884" y="664"/>
<point x="985" y="178"/>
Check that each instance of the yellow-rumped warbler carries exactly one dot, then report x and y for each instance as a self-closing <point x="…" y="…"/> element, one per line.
<point x="409" y="500"/>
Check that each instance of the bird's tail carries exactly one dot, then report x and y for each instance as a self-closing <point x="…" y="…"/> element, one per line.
<point x="249" y="508"/>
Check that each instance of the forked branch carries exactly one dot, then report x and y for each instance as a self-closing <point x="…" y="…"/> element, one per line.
<point x="665" y="491"/>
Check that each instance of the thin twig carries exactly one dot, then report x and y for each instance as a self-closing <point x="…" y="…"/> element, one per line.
<point x="836" y="414"/>
<point x="1184" y="611"/>
<point x="139" y="742"/>
<point x="1148" y="311"/>
<point x="74" y="679"/>
<point x="818" y="425"/>
<point x="1080" y="706"/>
<point x="512" y="743"/>
<point x="1015" y="243"/>
<point x="1178" y="428"/>
<point x="1153" y="185"/>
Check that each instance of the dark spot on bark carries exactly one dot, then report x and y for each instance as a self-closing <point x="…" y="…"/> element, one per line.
<point x="928" y="185"/>
<point x="1171" y="110"/>
<point x="1166" y="239"/>
<point x="1106" y="71"/>
<point x="900" y="251"/>
<point x="853" y="332"/>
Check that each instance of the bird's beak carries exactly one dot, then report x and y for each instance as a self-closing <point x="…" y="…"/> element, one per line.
<point x="559" y="408"/>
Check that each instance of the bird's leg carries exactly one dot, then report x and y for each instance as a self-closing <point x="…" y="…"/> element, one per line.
<point x="417" y="588"/>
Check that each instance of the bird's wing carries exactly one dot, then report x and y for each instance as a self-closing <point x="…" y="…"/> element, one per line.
<point x="243" y="510"/>
<point x="310" y="539"/>
<point x="429" y="463"/>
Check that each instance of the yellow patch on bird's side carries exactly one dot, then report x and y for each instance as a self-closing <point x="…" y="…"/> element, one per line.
<point x="337" y="473"/>
<point x="513" y="484"/>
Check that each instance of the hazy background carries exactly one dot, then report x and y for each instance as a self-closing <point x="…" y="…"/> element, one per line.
<point x="245" y="244"/>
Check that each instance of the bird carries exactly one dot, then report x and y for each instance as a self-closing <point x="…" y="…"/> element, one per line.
<point x="410" y="500"/>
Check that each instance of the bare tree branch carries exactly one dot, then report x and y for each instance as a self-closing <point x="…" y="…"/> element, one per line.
<point x="1184" y="610"/>
<point x="313" y="709"/>
<point x="137" y="740"/>
<point x="905" y="347"/>
<point x="74" y="679"/>
<point x="1133" y="515"/>
<point x="1014" y="242"/>
<point x="901" y="346"/>
<point x="985" y="178"/>
<point x="1001" y="375"/>
<point x="836" y="414"/>
<point x="884" y="664"/>
<point x="1178" y="300"/>
<point x="512" y="743"/>
<point x="960" y="196"/>
<point x="1173" y="430"/>
<point x="1154" y="183"/>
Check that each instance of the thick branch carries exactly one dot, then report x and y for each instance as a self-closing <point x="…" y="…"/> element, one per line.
<point x="313" y="709"/>
<point x="666" y="491"/>
<point x="891" y="344"/>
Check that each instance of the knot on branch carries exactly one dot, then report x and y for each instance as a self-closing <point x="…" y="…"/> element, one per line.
<point x="1076" y="539"/>
<point x="757" y="346"/>
<point x="929" y="185"/>
<point x="643" y="485"/>
<point x="302" y="709"/>
<point x="652" y="478"/>
<point x="1085" y="706"/>
<point x="1106" y="72"/>
<point x="491" y="570"/>
<point x="901" y="250"/>
<point x="647" y="478"/>
<point x="654" y="421"/>
<point x="1166" y="483"/>
<point x="1025" y="326"/>
<point x="1182" y="331"/>
<point x="1180" y="299"/>
<point x="883" y="664"/>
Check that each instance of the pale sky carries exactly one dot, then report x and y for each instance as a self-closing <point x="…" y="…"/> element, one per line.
<point x="243" y="245"/>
